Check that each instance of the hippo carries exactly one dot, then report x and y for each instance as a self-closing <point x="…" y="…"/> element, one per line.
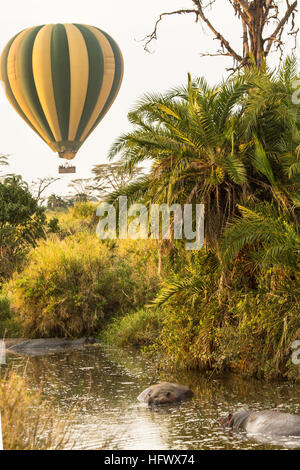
<point x="165" y="393"/>
<point x="39" y="347"/>
<point x="267" y="422"/>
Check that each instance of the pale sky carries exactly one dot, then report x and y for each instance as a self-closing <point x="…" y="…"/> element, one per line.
<point x="177" y="52"/>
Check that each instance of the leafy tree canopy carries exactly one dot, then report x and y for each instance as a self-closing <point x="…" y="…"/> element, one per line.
<point x="22" y="222"/>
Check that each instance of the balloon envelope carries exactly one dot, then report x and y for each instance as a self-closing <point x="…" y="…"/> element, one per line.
<point x="62" y="80"/>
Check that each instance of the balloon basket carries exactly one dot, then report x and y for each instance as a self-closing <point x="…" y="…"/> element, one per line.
<point x="66" y="169"/>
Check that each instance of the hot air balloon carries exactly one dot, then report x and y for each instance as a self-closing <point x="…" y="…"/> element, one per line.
<point x="62" y="80"/>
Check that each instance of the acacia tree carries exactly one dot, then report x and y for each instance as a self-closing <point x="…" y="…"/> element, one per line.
<point x="110" y="177"/>
<point x="82" y="189"/>
<point x="263" y="24"/>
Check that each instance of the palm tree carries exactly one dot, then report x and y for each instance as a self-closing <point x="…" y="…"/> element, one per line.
<point x="227" y="146"/>
<point x="55" y="201"/>
<point x="268" y="224"/>
<point x="272" y="136"/>
<point x="192" y="135"/>
<point x="272" y="238"/>
<point x="3" y="160"/>
<point x="232" y="147"/>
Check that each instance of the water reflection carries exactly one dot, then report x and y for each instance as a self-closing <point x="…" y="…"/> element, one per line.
<point x="103" y="384"/>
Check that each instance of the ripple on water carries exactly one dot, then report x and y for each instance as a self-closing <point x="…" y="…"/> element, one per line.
<point x="104" y="384"/>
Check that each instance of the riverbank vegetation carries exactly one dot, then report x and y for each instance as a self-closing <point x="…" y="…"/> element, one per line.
<point x="231" y="306"/>
<point x="71" y="287"/>
<point x="234" y="147"/>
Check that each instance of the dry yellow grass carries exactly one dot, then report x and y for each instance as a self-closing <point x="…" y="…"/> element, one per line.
<point x="28" y="421"/>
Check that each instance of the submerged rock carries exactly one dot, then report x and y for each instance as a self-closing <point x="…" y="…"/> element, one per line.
<point x="165" y="393"/>
<point x="39" y="347"/>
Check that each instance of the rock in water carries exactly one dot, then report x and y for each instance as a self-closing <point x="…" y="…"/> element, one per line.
<point x="165" y="393"/>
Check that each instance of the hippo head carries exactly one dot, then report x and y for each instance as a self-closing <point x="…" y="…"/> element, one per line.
<point x="236" y="420"/>
<point x="226" y="420"/>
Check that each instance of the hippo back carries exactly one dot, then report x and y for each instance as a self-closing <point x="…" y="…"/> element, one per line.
<point x="273" y="423"/>
<point x="164" y="393"/>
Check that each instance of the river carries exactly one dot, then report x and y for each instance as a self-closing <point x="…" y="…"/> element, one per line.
<point x="103" y="384"/>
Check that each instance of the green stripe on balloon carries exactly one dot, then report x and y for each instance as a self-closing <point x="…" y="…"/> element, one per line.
<point x="117" y="78"/>
<point x="96" y="72"/>
<point x="27" y="80"/>
<point x="60" y="65"/>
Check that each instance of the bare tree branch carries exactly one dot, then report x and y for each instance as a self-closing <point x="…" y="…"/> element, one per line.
<point x="246" y="7"/>
<point x="39" y="187"/>
<point x="150" y="37"/>
<point x="281" y="24"/>
<point x="255" y="16"/>
<point x="217" y="54"/>
<point x="218" y="35"/>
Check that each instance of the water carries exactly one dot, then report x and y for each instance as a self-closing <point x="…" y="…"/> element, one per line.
<point x="103" y="384"/>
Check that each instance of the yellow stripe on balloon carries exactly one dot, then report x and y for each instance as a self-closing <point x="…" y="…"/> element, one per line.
<point x="42" y="73"/>
<point x="115" y="94"/>
<point x="13" y="73"/>
<point x="4" y="85"/>
<point x="108" y="78"/>
<point x="79" y="76"/>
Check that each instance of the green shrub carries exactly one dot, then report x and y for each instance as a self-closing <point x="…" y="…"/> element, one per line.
<point x="80" y="218"/>
<point x="70" y="287"/>
<point x="22" y="223"/>
<point x="84" y="210"/>
<point x="137" y="329"/>
<point x="53" y="225"/>
<point x="8" y="324"/>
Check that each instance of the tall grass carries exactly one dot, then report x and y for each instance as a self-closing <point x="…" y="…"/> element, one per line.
<point x="137" y="329"/>
<point x="28" y="421"/>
